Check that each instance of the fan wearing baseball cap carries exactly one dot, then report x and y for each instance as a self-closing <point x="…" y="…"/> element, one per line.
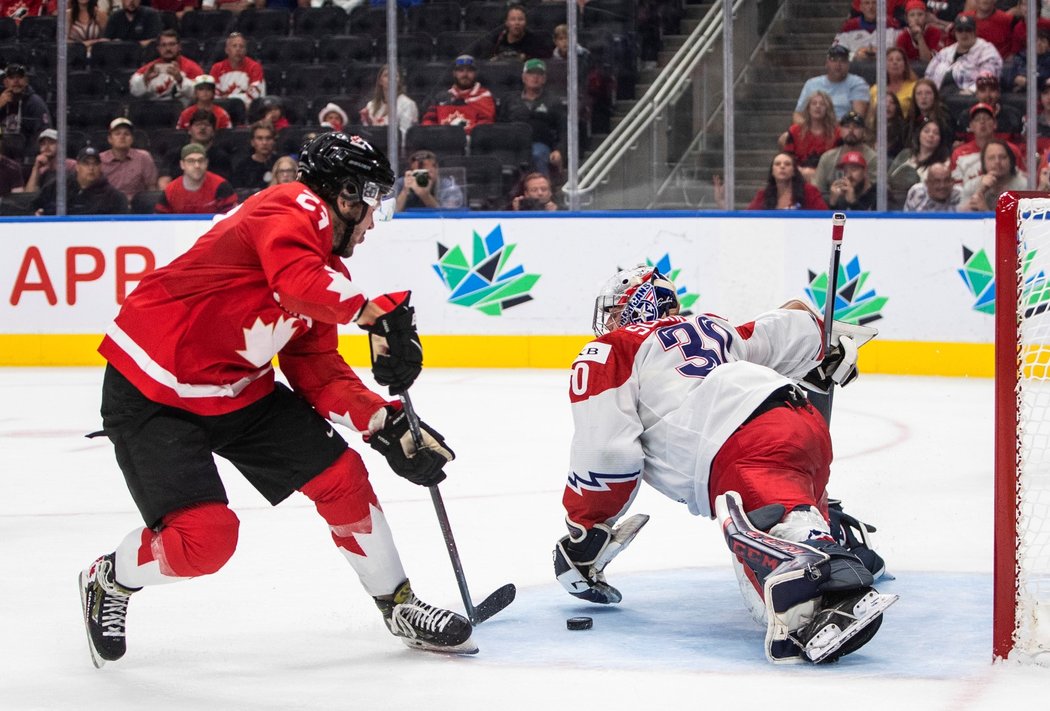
<point x="995" y="26"/>
<point x="130" y="170"/>
<point x="955" y="68"/>
<point x="87" y="190"/>
<point x="204" y="98"/>
<point x="854" y="189"/>
<point x="921" y="38"/>
<point x="848" y="92"/>
<point x="21" y="109"/>
<point x="1009" y="122"/>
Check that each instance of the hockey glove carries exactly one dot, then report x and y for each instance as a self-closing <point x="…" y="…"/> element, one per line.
<point x="394" y="441"/>
<point x="580" y="558"/>
<point x="397" y="355"/>
<point x="852" y="535"/>
<point x="839" y="366"/>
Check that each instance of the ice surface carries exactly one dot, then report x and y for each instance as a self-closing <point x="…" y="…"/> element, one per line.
<point x="285" y="624"/>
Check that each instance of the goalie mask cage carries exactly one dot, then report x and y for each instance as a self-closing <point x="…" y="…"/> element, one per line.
<point x="1021" y="620"/>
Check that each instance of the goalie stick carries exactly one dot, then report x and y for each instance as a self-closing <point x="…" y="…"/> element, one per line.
<point x="838" y="227"/>
<point x="498" y="599"/>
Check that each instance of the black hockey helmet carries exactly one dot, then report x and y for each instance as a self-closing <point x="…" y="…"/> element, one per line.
<point x="337" y="163"/>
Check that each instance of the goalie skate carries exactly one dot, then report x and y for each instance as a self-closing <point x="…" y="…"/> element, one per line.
<point x="844" y="627"/>
<point x="425" y="627"/>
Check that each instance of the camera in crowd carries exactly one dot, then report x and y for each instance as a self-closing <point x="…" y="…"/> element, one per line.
<point x="422" y="176"/>
<point x="528" y="203"/>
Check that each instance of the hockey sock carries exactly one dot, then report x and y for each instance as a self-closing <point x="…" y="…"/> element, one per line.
<point x="345" y="499"/>
<point x="193" y="541"/>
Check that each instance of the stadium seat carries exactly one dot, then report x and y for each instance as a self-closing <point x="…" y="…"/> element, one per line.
<point x="193" y="48"/>
<point x="452" y="44"/>
<point x="442" y="140"/>
<point x="206" y="25"/>
<point x="484" y="16"/>
<point x="510" y="142"/>
<point x="163" y="141"/>
<point x="115" y="54"/>
<point x="319" y="21"/>
<point x="360" y="81"/>
<point x="8" y="29"/>
<point x="43" y="56"/>
<point x="314" y="79"/>
<point x="370" y="21"/>
<point x="296" y="107"/>
<point x="263" y="23"/>
<point x="341" y="48"/>
<point x="411" y="49"/>
<point x="17" y="204"/>
<point x="37" y="29"/>
<point x="234" y="144"/>
<point x="90" y="84"/>
<point x="435" y="17"/>
<point x="169" y="21"/>
<point x="291" y="138"/>
<point x="424" y="81"/>
<point x="13" y="53"/>
<point x="144" y="202"/>
<point x="544" y="18"/>
<point x="236" y="109"/>
<point x="149" y="113"/>
<point x="484" y="176"/>
<point x="286" y="50"/>
<point x="376" y="135"/>
<point x="500" y="77"/>
<point x="13" y="145"/>
<point x="91" y="115"/>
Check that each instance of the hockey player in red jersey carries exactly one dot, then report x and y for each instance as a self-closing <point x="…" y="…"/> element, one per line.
<point x="712" y="416"/>
<point x="190" y="375"/>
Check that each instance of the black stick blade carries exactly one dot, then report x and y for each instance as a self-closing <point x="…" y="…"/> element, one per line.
<point x="494" y="603"/>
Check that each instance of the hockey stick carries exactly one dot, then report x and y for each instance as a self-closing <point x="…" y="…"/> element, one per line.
<point x="838" y="227"/>
<point x="498" y="599"/>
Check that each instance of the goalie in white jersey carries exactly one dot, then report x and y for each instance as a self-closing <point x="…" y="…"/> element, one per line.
<point x="711" y="415"/>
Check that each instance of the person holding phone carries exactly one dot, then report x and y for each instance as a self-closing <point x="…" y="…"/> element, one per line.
<point x="536" y="194"/>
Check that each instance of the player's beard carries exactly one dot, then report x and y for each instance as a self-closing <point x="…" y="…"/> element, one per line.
<point x="344" y="225"/>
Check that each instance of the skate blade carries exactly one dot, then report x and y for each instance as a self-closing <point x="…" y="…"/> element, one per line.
<point x="98" y="661"/>
<point x="467" y="647"/>
<point x="830" y="639"/>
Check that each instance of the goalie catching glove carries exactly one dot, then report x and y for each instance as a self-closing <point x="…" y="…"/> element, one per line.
<point x="393" y="439"/>
<point x="580" y="558"/>
<point x="839" y="366"/>
<point x="397" y="355"/>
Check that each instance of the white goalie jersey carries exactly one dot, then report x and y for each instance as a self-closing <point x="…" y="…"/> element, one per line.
<point x="656" y="401"/>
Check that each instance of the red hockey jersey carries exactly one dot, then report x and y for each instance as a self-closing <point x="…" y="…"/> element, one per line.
<point x="201" y="332"/>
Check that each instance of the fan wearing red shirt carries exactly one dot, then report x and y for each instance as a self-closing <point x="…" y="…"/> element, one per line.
<point x="197" y="191"/>
<point x="995" y="26"/>
<point x="921" y="39"/>
<point x="190" y="375"/>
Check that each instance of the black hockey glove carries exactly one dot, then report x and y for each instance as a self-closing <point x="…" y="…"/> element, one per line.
<point x="394" y="441"/>
<point x="839" y="367"/>
<point x="397" y="355"/>
<point x="580" y="558"/>
<point x="852" y="534"/>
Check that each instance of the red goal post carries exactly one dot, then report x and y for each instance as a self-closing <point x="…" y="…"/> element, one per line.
<point x="1021" y="614"/>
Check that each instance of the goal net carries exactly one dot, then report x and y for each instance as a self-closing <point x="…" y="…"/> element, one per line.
<point x="1021" y="629"/>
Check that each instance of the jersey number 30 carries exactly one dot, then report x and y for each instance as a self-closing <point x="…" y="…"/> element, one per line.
<point x="703" y="345"/>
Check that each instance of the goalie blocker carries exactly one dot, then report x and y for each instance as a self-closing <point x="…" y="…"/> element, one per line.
<point x="818" y="597"/>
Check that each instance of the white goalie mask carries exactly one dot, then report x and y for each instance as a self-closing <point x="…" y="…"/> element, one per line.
<point x="634" y="295"/>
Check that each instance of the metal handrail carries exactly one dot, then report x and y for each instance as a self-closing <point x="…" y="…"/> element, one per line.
<point x="667" y="87"/>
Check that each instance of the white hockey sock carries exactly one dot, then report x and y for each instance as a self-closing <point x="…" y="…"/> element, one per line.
<point x="379" y="568"/>
<point x="137" y="560"/>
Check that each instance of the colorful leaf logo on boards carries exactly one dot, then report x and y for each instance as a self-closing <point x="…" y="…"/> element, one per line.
<point x="482" y="283"/>
<point x="979" y="277"/>
<point x="852" y="303"/>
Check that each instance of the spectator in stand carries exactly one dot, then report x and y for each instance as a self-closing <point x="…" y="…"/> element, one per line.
<point x="513" y="40"/>
<point x="536" y="195"/>
<point x="238" y="76"/>
<point x="921" y="38"/>
<point x="927" y="106"/>
<point x="177" y="7"/>
<point x="852" y="130"/>
<point x="542" y="112"/>
<point x="168" y="77"/>
<point x="894" y="8"/>
<point x="928" y="147"/>
<point x="1009" y="122"/>
<point x="942" y="13"/>
<point x="268" y="110"/>
<point x="196" y="191"/>
<point x="21" y="109"/>
<point x="937" y="193"/>
<point x="1042" y="120"/>
<point x="204" y="98"/>
<point x="423" y="186"/>
<point x="256" y="170"/>
<point x="786" y="189"/>
<point x="234" y="6"/>
<point x="376" y="112"/>
<point x="86" y="22"/>
<point x="134" y="23"/>
<point x="848" y="92"/>
<point x="44" y="164"/>
<point x="1015" y="75"/>
<point x="998" y="174"/>
<point x="966" y="159"/>
<point x="10" y="176"/>
<point x="816" y="135"/>
<point x="332" y="117"/>
<point x="466" y="103"/>
<point x="994" y="25"/>
<point x="1043" y="185"/>
<point x="956" y="67"/>
<point x="859" y="33"/>
<point x="129" y="170"/>
<point x="18" y="9"/>
<point x="853" y="189"/>
<point x="600" y="93"/>
<point x="900" y="80"/>
<point x="87" y="190"/>
<point x="202" y="133"/>
<point x="896" y="127"/>
<point x="285" y="169"/>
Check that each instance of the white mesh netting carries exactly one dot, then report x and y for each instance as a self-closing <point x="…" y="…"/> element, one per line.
<point x="1032" y="634"/>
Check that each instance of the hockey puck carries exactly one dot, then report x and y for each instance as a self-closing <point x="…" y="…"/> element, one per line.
<point x="579" y="623"/>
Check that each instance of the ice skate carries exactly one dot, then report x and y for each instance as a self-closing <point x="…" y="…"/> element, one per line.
<point x="844" y="626"/>
<point x="423" y="626"/>
<point x="105" y="604"/>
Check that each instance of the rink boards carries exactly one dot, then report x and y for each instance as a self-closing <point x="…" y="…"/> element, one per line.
<point x="501" y="290"/>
